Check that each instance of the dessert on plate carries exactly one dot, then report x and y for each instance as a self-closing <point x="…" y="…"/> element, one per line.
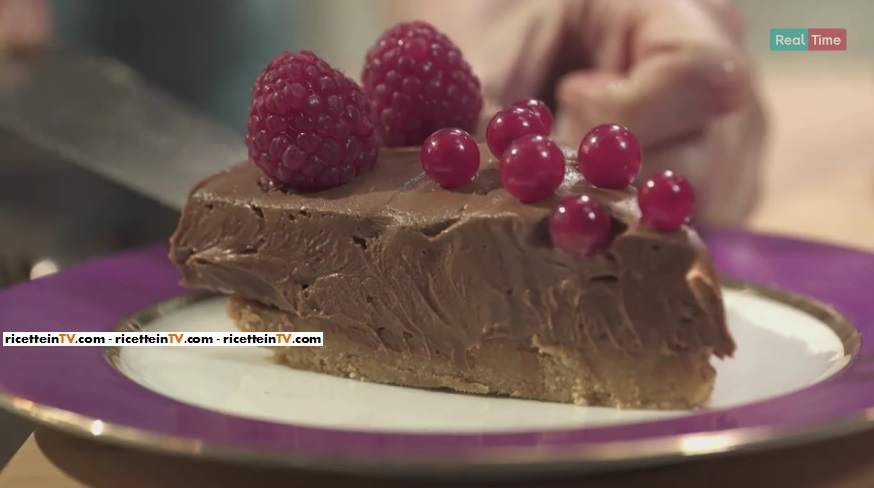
<point x="428" y="258"/>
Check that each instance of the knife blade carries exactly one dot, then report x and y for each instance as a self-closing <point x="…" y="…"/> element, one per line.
<point x="99" y="114"/>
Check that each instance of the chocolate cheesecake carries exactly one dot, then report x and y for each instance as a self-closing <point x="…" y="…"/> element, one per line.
<point x="513" y="266"/>
<point x="416" y="285"/>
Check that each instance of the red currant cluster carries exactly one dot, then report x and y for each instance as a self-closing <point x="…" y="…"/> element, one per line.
<point x="530" y="164"/>
<point x="609" y="157"/>
<point x="532" y="167"/>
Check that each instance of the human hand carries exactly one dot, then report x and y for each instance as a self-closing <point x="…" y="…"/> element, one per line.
<point x="24" y="24"/>
<point x="673" y="71"/>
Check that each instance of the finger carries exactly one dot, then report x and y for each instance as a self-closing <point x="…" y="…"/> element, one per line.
<point x="684" y="72"/>
<point x="723" y="164"/>
<point x="24" y="24"/>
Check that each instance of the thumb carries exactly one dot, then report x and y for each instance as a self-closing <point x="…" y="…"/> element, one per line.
<point x="663" y="98"/>
<point x="670" y="72"/>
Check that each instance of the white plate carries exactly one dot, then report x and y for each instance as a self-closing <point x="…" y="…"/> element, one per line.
<point x="781" y="349"/>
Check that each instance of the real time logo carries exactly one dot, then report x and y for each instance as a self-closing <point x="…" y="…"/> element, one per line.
<point x="808" y="39"/>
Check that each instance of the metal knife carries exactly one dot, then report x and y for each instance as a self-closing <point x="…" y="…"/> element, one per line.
<point x="97" y="113"/>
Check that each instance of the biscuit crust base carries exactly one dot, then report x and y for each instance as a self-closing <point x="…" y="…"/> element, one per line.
<point x="610" y="378"/>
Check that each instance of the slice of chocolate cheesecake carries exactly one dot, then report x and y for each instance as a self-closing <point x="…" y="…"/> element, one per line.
<point x="539" y="273"/>
<point x="416" y="285"/>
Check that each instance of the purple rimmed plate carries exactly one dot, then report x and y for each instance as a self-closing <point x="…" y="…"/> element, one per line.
<point x="801" y="372"/>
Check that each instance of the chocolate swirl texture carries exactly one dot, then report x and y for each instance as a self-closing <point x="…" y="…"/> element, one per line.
<point x="404" y="265"/>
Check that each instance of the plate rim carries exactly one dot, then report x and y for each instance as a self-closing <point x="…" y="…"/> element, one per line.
<point x="533" y="452"/>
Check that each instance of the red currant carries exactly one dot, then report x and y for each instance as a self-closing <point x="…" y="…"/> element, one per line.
<point x="532" y="168"/>
<point x="609" y="157"/>
<point x="450" y="157"/>
<point x="579" y="225"/>
<point x="508" y="125"/>
<point x="666" y="201"/>
<point x="540" y="109"/>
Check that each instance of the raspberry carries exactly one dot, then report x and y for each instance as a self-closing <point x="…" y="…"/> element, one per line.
<point x="310" y="127"/>
<point x="419" y="83"/>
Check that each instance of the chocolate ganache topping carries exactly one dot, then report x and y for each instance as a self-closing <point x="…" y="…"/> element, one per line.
<point x="403" y="264"/>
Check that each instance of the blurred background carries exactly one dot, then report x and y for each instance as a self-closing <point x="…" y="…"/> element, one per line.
<point x="820" y="160"/>
<point x="243" y="36"/>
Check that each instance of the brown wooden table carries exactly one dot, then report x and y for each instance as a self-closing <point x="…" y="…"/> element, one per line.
<point x="820" y="184"/>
